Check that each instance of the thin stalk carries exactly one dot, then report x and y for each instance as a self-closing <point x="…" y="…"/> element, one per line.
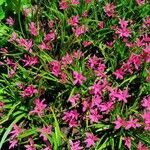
<point x="20" y="19"/>
<point x="20" y="24"/>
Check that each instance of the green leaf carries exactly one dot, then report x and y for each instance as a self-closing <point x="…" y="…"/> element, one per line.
<point x="128" y="80"/>
<point x="144" y="10"/>
<point x="27" y="133"/>
<point x="2" y="13"/>
<point x="4" y="119"/>
<point x="120" y="143"/>
<point x="2" y="1"/>
<point x="100" y="126"/>
<point x="112" y="143"/>
<point x="144" y="138"/>
<point x="3" y="28"/>
<point x="57" y="136"/>
<point x="104" y="145"/>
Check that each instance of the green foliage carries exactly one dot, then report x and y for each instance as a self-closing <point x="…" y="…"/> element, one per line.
<point x="111" y="52"/>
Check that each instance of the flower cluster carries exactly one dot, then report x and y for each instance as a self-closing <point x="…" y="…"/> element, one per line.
<point x="75" y="75"/>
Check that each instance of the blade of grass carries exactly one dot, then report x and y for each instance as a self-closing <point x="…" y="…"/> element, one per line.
<point x="58" y="133"/>
<point x="10" y="112"/>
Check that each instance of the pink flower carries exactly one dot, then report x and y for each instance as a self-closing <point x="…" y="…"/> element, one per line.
<point x="109" y="9"/>
<point x="123" y="23"/>
<point x="63" y="78"/>
<point x="136" y="60"/>
<point x="39" y="107"/>
<point x="119" y="122"/>
<point x="45" y="46"/>
<point x="55" y="67"/>
<point x="27" y="44"/>
<point x="20" y="85"/>
<point x="13" y="37"/>
<point x="119" y="73"/>
<point x="113" y="92"/>
<point x="122" y="95"/>
<point x="14" y="136"/>
<point x="10" y="21"/>
<point x="90" y="139"/>
<point x="75" y="145"/>
<point x="45" y="131"/>
<point x="79" y="78"/>
<point x="71" y="117"/>
<point x="101" y="24"/>
<point x="1" y="63"/>
<point x="12" y="72"/>
<point x="27" y="11"/>
<point x="86" y="43"/>
<point x="141" y="146"/>
<point x="85" y="14"/>
<point x="30" y="61"/>
<point x="96" y="88"/>
<point x="127" y="67"/>
<point x="146" y="54"/>
<point x="127" y="141"/>
<point x="75" y="2"/>
<point x="132" y="123"/>
<point x="96" y="100"/>
<point x="51" y="24"/>
<point x="73" y="21"/>
<point x="4" y="51"/>
<point x="13" y="143"/>
<point x="139" y="43"/>
<point x="148" y="75"/>
<point x="119" y="95"/>
<point x="1" y="108"/>
<point x="77" y="54"/>
<point x="99" y="71"/>
<point x="147" y="49"/>
<point x="63" y="5"/>
<point x="123" y="32"/>
<point x="110" y="43"/>
<point x="29" y="91"/>
<point x="48" y="148"/>
<point x="94" y="116"/>
<point x="33" y="29"/>
<point x="50" y="36"/>
<point x="73" y="99"/>
<point x="66" y="60"/>
<point x="146" y="38"/>
<point x="146" y="117"/>
<point x="140" y="2"/>
<point x="146" y="22"/>
<point x="101" y="74"/>
<point x="10" y="62"/>
<point x="21" y="41"/>
<point x="86" y="105"/>
<point x="80" y="30"/>
<point x="146" y="102"/>
<point x="129" y="44"/>
<point x="93" y="62"/>
<point x="73" y="114"/>
<point x="1" y="104"/>
<point x="73" y="123"/>
<point x="31" y="146"/>
<point x="106" y="106"/>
